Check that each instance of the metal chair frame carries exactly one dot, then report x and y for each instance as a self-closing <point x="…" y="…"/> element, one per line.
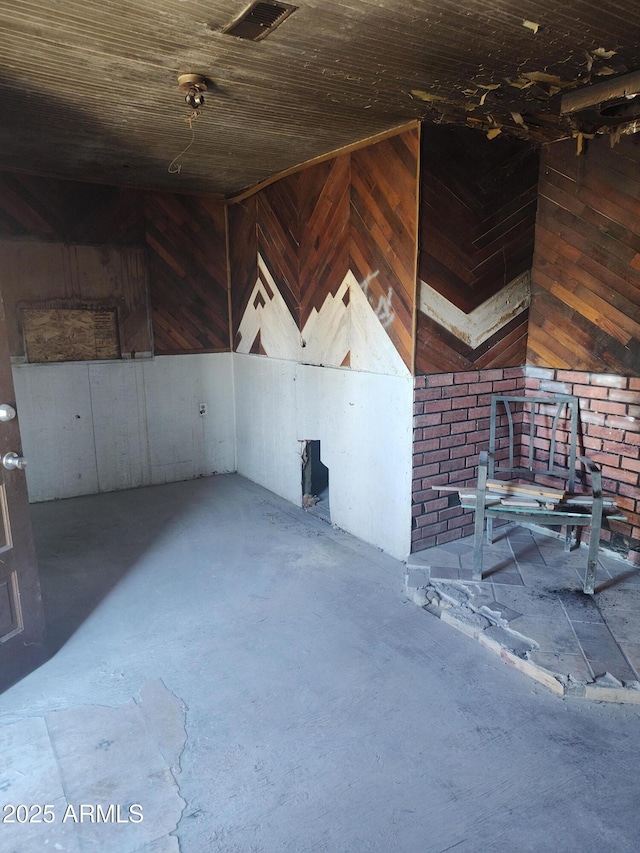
<point x="562" y="409"/>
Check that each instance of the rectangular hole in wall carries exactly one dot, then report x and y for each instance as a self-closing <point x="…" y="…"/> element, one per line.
<point x="315" y="481"/>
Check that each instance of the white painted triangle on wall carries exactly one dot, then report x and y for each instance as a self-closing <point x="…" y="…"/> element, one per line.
<point x="329" y="336"/>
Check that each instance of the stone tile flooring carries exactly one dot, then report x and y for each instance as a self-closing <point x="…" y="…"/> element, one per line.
<point x="531" y="610"/>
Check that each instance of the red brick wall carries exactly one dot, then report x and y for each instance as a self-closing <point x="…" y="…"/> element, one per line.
<point x="451" y="427"/>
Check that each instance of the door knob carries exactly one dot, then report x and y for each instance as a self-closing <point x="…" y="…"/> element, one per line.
<point x="12" y="461"/>
<point x="7" y="412"/>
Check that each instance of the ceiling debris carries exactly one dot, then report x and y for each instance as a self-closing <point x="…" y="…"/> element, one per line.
<point x="330" y="75"/>
<point x="611" y="106"/>
<point x="601" y="53"/>
<point x="622" y="88"/>
<point x="427" y="96"/>
<point x="530" y="25"/>
<point x="580" y="137"/>
<point x="536" y="111"/>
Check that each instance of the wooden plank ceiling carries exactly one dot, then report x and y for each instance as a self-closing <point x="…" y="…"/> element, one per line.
<point x="89" y="90"/>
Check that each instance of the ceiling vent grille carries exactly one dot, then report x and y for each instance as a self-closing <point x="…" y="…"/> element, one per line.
<point x="259" y="19"/>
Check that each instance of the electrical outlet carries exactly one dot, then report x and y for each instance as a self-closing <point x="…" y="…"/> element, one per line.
<point x="202" y="409"/>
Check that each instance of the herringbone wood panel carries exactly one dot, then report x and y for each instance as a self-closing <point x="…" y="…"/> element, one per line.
<point x="243" y="256"/>
<point x="186" y="249"/>
<point x="70" y="211"/>
<point x="279" y="238"/>
<point x="184" y="237"/>
<point x="357" y="212"/>
<point x="477" y="213"/>
<point x="324" y="232"/>
<point x="439" y="351"/>
<point x="477" y="225"/>
<point x="585" y="311"/>
<point x="384" y="188"/>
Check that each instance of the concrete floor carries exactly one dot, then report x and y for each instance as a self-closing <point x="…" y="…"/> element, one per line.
<point x="256" y="681"/>
<point x="531" y="609"/>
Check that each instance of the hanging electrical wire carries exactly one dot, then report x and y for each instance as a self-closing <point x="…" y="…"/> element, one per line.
<point x="193" y="86"/>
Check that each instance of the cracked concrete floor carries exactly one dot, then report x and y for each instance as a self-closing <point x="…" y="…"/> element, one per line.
<point x="256" y="681"/>
<point x="530" y="609"/>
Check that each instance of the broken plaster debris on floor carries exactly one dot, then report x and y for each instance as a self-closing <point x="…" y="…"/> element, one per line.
<point x="551" y="647"/>
<point x="107" y="775"/>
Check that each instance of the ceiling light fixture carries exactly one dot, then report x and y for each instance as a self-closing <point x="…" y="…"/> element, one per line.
<point x="194" y="86"/>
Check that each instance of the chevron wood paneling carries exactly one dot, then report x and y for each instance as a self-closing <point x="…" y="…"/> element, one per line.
<point x="243" y="257"/>
<point x="384" y="199"/>
<point x="477" y="225"/>
<point x="355" y="212"/>
<point x="278" y="218"/>
<point x="585" y="309"/>
<point x="186" y="250"/>
<point x="440" y="351"/>
<point x="70" y="211"/>
<point x="477" y="213"/>
<point x="324" y="232"/>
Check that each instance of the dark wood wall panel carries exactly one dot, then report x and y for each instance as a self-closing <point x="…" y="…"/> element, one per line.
<point x="279" y="238"/>
<point x="384" y="200"/>
<point x="440" y="351"/>
<point x="45" y="275"/>
<point x="477" y="224"/>
<point x="186" y="249"/>
<point x="184" y="243"/>
<point x="353" y="212"/>
<point x="585" y="311"/>
<point x="324" y="232"/>
<point x="243" y="256"/>
<point x="477" y="213"/>
<point x="70" y="211"/>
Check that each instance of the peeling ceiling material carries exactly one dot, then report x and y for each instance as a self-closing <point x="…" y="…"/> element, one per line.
<point x="612" y="105"/>
<point x="88" y="90"/>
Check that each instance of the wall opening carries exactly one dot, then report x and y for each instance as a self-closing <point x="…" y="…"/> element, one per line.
<point x="315" y="481"/>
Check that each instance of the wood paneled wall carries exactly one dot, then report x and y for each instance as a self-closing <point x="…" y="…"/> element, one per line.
<point x="278" y="238"/>
<point x="243" y="256"/>
<point x="477" y="218"/>
<point x="38" y="274"/>
<point x="184" y="264"/>
<point x="356" y="212"/>
<point x="585" y="310"/>
<point x="324" y="233"/>
<point x="187" y="263"/>
<point x="440" y="351"/>
<point x="69" y="211"/>
<point x="384" y="212"/>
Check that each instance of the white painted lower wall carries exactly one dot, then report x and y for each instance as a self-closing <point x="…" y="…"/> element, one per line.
<point x="94" y="427"/>
<point x="97" y="427"/>
<point x="364" y="424"/>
